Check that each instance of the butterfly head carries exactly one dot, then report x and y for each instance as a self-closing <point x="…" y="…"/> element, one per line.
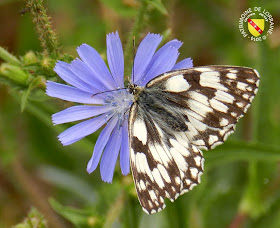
<point x="134" y="89"/>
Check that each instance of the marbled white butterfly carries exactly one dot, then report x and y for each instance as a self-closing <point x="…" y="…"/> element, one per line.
<point x="176" y="115"/>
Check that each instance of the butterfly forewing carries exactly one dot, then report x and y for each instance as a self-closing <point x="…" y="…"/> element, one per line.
<point x="173" y="117"/>
<point x="213" y="98"/>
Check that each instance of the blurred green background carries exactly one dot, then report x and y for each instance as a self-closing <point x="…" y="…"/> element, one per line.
<point x="241" y="184"/>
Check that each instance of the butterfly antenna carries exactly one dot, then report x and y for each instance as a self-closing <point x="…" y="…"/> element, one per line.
<point x="133" y="44"/>
<point x="106" y="91"/>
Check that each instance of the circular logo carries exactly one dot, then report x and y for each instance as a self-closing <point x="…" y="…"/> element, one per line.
<point x="256" y="24"/>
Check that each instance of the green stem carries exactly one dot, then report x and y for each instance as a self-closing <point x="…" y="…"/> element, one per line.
<point x="138" y="25"/>
<point x="115" y="210"/>
<point x="251" y="203"/>
<point x="8" y="57"/>
<point x="47" y="36"/>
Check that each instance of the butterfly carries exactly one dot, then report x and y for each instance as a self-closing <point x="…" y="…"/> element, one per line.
<point x="175" y="116"/>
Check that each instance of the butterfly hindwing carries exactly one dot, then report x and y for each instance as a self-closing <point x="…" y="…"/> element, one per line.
<point x="173" y="117"/>
<point x="163" y="163"/>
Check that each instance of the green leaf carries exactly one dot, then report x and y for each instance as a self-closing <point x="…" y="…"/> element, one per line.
<point x="8" y="57"/>
<point x="80" y="218"/>
<point x="158" y="5"/>
<point x="276" y="219"/>
<point x="25" y="95"/>
<point x="10" y="83"/>
<point x="69" y="181"/>
<point x="242" y="151"/>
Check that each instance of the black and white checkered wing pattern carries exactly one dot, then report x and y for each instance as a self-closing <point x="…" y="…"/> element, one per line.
<point x="212" y="98"/>
<point x="173" y="117"/>
<point x="163" y="163"/>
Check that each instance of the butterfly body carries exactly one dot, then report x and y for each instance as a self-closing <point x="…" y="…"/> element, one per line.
<point x="176" y="115"/>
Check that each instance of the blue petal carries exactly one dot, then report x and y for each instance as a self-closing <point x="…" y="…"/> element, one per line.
<point x="64" y="71"/>
<point x="73" y="94"/>
<point x="101" y="143"/>
<point x="173" y="43"/>
<point x="83" y="129"/>
<point x="144" y="55"/>
<point x="73" y="141"/>
<point x="94" y="61"/>
<point x="184" y="64"/>
<point x="171" y="46"/>
<point x="124" y="154"/>
<point x="110" y="155"/>
<point x="163" y="63"/>
<point x="79" y="112"/>
<point x="115" y="58"/>
<point x="85" y="73"/>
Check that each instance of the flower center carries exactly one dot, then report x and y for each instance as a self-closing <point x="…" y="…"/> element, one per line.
<point x="121" y="100"/>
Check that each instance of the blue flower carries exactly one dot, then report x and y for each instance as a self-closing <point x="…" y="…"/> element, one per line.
<point x="89" y="75"/>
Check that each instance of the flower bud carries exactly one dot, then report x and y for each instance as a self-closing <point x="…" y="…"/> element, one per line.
<point x="14" y="73"/>
<point x="30" y="58"/>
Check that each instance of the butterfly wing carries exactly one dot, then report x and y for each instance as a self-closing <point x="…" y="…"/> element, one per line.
<point x="213" y="99"/>
<point x="163" y="164"/>
<point x="173" y="117"/>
